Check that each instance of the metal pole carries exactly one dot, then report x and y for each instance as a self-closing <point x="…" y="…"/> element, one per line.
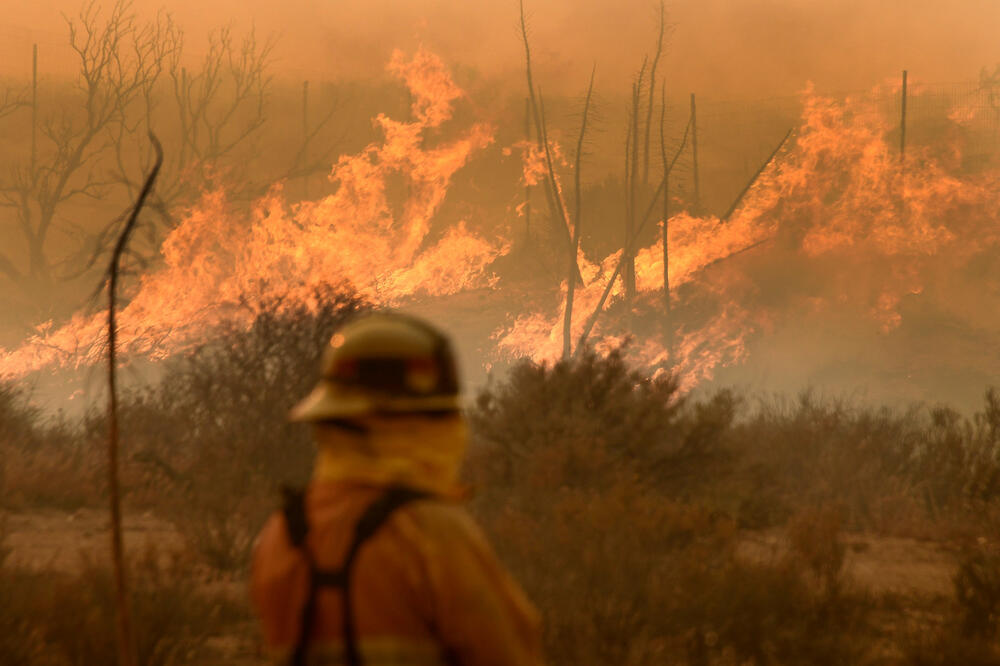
<point x="694" y="154"/>
<point x="34" y="106"/>
<point x="629" y="274"/>
<point x="305" y="138"/>
<point x="527" y="187"/>
<point x="902" y="123"/>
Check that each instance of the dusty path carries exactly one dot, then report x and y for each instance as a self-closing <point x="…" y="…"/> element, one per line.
<point x="882" y="565"/>
<point x="57" y="540"/>
<point x="53" y="540"/>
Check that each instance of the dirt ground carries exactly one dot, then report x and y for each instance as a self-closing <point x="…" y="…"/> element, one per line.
<point x="881" y="565"/>
<point x="54" y="540"/>
<point x="920" y="571"/>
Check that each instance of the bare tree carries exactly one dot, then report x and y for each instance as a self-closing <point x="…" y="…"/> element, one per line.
<point x="668" y="327"/>
<point x="631" y="182"/>
<point x="631" y="243"/>
<point x="652" y="92"/>
<point x="118" y="59"/>
<point x="573" y="269"/>
<point x="558" y="215"/>
<point x="12" y="100"/>
<point x="216" y="112"/>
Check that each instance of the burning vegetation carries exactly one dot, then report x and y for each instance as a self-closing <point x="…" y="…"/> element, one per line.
<point x="604" y="305"/>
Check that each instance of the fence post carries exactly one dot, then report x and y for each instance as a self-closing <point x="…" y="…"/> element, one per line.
<point x="34" y="106"/>
<point x="527" y="186"/>
<point x="902" y="123"/>
<point x="305" y="138"/>
<point x="694" y="154"/>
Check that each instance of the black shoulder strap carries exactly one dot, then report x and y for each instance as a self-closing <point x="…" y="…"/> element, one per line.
<point x="377" y="513"/>
<point x="294" y="507"/>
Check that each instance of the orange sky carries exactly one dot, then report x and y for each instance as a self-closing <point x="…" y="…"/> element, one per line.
<point x="720" y="48"/>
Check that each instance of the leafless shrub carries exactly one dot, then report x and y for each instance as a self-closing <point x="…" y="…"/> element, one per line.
<point x="611" y="529"/>
<point x="43" y="463"/>
<point x="214" y="435"/>
<point x="63" y="619"/>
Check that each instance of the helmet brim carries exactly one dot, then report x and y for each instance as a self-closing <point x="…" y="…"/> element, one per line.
<point x="329" y="402"/>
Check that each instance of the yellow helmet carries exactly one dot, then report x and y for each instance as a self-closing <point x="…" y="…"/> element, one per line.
<point x="386" y="363"/>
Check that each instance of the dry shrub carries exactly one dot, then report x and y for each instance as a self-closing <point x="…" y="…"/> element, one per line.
<point x="592" y="396"/>
<point x="22" y="640"/>
<point x="43" y="462"/>
<point x="906" y="473"/>
<point x="21" y="643"/>
<point x="64" y="619"/>
<point x="616" y="533"/>
<point x="977" y="591"/>
<point x="18" y="418"/>
<point x="57" y="474"/>
<point x="814" y="535"/>
<point x="212" y="442"/>
<point x="970" y="630"/>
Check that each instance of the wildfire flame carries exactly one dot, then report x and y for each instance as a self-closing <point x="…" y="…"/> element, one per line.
<point x="838" y="200"/>
<point x="837" y="222"/>
<point x="218" y="255"/>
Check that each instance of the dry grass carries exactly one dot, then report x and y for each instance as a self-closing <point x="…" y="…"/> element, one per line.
<point x="621" y="505"/>
<point x="68" y="618"/>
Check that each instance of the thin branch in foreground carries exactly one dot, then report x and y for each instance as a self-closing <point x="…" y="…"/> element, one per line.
<point x="126" y="645"/>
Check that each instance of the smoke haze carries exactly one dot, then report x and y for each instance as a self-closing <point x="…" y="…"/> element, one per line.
<point x="801" y="331"/>
<point x="720" y="48"/>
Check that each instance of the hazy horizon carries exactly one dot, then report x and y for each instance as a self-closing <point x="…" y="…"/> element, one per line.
<point x="718" y="48"/>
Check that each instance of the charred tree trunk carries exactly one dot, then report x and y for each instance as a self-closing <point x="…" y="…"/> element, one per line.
<point x="667" y="323"/>
<point x="577" y="222"/>
<point x="527" y="187"/>
<point x="551" y="193"/>
<point x="694" y="156"/>
<point x="652" y="93"/>
<point x="631" y="181"/>
<point x="630" y="247"/>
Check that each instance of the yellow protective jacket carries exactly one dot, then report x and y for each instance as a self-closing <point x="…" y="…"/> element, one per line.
<point x="426" y="588"/>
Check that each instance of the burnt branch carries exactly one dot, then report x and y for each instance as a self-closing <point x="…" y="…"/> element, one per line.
<point x="573" y="271"/>
<point x="126" y="644"/>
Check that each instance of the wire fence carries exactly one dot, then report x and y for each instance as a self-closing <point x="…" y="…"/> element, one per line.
<point x="735" y="137"/>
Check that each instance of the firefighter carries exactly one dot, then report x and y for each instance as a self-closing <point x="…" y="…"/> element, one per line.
<point x="377" y="562"/>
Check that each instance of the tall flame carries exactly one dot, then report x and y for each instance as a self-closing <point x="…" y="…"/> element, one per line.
<point x="218" y="255"/>
<point x="839" y="201"/>
<point x="838" y="224"/>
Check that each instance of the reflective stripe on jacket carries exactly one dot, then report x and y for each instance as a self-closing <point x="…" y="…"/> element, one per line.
<point x="427" y="588"/>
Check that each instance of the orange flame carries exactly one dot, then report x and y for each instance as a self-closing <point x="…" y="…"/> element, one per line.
<point x="218" y="255"/>
<point x="839" y="196"/>
<point x="838" y="222"/>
